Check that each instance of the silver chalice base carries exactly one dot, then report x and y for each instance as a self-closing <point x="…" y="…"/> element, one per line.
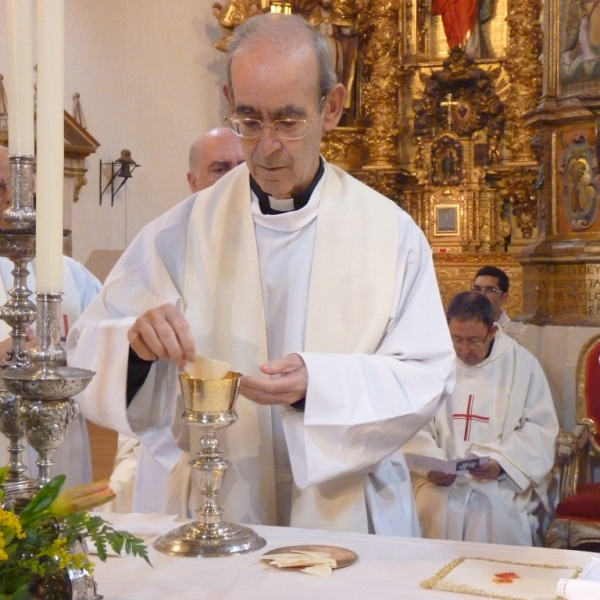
<point x="200" y="539"/>
<point x="209" y="405"/>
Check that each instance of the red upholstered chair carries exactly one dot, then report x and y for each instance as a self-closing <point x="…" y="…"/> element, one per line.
<point x="577" y="520"/>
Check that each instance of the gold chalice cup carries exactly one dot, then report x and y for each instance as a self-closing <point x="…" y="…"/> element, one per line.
<point x="209" y="405"/>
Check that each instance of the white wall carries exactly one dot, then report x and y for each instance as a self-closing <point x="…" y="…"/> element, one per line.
<point x="150" y="81"/>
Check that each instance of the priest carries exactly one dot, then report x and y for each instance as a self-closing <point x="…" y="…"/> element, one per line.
<point x="315" y="287"/>
<point x="500" y="409"/>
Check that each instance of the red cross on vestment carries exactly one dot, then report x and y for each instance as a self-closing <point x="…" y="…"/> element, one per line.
<point x="469" y="416"/>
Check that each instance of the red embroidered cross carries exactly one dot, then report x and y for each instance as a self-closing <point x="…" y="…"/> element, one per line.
<point x="469" y="416"/>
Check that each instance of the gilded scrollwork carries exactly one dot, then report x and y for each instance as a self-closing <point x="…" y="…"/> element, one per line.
<point x="461" y="97"/>
<point x="581" y="183"/>
<point x="385" y="182"/>
<point x="341" y="145"/>
<point x="521" y="193"/>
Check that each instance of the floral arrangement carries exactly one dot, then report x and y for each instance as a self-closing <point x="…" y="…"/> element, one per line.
<point x="35" y="543"/>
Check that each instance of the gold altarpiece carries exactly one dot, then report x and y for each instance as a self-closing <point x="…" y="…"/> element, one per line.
<point x="439" y="133"/>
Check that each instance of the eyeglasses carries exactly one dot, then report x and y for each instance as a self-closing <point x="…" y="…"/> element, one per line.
<point x="3" y="186"/>
<point x="287" y="129"/>
<point x="470" y="344"/>
<point x="486" y="290"/>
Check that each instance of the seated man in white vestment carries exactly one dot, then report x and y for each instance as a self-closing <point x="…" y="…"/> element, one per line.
<point x="212" y="155"/>
<point x="80" y="287"/>
<point x="501" y="409"/>
<point x="314" y="286"/>
<point x="493" y="283"/>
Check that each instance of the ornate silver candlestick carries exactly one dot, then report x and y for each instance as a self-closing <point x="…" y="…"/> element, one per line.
<point x="209" y="405"/>
<point x="17" y="244"/>
<point x="45" y="389"/>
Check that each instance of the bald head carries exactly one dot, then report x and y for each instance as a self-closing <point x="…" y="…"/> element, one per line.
<point x="211" y="156"/>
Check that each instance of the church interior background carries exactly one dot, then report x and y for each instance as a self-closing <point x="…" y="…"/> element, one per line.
<point x="492" y="148"/>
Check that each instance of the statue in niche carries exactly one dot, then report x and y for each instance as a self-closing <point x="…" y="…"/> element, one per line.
<point x="463" y="22"/>
<point x="446" y="161"/>
<point x="581" y="193"/>
<point x="581" y="185"/>
<point x="337" y="20"/>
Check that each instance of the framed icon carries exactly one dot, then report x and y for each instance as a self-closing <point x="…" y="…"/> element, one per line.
<point x="446" y="220"/>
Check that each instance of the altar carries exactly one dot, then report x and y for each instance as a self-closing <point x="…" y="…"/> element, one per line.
<point x="387" y="567"/>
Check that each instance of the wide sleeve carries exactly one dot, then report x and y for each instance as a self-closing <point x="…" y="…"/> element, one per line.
<point x="87" y="284"/>
<point x="360" y="408"/>
<point x="147" y="275"/>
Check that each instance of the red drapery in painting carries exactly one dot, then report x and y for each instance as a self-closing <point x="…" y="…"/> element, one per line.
<point x="459" y="18"/>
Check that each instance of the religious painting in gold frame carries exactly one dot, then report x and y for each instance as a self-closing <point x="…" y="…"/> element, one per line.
<point x="490" y="38"/>
<point x="579" y="46"/>
<point x="446" y="219"/>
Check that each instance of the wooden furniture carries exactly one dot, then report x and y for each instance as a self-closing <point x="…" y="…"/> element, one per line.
<point x="577" y="520"/>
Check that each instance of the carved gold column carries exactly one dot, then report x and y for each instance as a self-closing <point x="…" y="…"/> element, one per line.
<point x="524" y="70"/>
<point x="381" y="72"/>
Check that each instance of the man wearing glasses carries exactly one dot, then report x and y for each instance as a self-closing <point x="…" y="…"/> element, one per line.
<point x="500" y="409"/>
<point x="308" y="282"/>
<point x="493" y="283"/>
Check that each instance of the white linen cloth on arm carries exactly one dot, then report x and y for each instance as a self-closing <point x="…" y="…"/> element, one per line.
<point x="211" y="256"/>
<point x="586" y="587"/>
<point x="80" y="287"/>
<point x="501" y="408"/>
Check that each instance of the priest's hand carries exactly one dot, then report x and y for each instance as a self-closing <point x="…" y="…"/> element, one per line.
<point x="491" y="470"/>
<point x="440" y="478"/>
<point x="287" y="383"/>
<point x="162" y="332"/>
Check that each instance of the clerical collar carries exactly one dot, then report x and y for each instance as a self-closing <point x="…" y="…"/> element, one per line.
<point x="297" y="202"/>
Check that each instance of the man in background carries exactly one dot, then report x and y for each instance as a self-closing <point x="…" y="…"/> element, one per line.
<point x="212" y="155"/>
<point x="502" y="410"/>
<point x="493" y="283"/>
<point x="80" y="287"/>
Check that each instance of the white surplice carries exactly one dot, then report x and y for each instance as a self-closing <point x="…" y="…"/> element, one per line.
<point x="501" y="408"/>
<point x="80" y="287"/>
<point x="348" y="283"/>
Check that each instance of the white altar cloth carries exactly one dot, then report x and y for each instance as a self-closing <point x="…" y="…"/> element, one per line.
<point x="387" y="567"/>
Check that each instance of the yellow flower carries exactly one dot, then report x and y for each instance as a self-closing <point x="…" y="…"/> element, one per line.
<point x="10" y="527"/>
<point x="80" y="498"/>
<point x="9" y="521"/>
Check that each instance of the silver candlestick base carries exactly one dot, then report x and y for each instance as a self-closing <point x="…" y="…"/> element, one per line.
<point x="45" y="389"/>
<point x="209" y="405"/>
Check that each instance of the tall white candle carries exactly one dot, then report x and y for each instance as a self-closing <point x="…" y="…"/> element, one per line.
<point x="19" y="34"/>
<point x="50" y="144"/>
